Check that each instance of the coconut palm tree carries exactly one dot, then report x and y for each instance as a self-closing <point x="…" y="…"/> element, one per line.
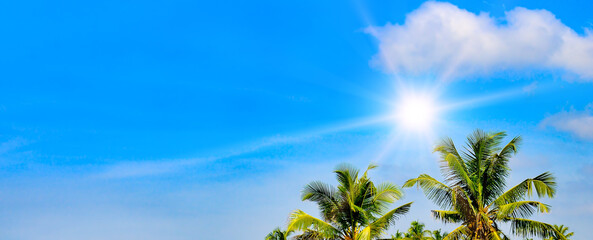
<point x="474" y="194"/>
<point x="561" y="233"/>
<point x="438" y="235"/>
<point x="398" y="235"/>
<point x="277" y="234"/>
<point x="355" y="210"/>
<point x="417" y="232"/>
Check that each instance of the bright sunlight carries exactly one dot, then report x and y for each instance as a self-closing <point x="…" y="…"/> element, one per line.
<point x="416" y="112"/>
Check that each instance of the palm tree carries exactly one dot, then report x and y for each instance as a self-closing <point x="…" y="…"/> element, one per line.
<point x="417" y="232"/>
<point x="438" y="235"/>
<point x="475" y="195"/>
<point x="355" y="210"/>
<point x="278" y="234"/>
<point x="560" y="233"/>
<point x="398" y="235"/>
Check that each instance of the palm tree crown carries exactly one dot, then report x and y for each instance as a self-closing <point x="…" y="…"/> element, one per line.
<point x="277" y="234"/>
<point x="438" y="235"/>
<point x="474" y="194"/>
<point x="417" y="232"/>
<point x="355" y="210"/>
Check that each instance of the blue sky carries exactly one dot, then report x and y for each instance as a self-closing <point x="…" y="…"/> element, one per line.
<point x="204" y="120"/>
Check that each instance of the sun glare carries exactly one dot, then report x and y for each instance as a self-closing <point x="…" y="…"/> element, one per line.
<point x="416" y="112"/>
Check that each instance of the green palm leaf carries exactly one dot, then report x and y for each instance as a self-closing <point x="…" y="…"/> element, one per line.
<point x="436" y="191"/>
<point x="301" y="221"/>
<point x="528" y="227"/>
<point x="522" y="209"/>
<point x="447" y="216"/>
<point x="544" y="185"/>
<point x="459" y="233"/>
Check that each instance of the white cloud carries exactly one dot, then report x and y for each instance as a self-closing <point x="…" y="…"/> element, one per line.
<point x="449" y="42"/>
<point x="578" y="123"/>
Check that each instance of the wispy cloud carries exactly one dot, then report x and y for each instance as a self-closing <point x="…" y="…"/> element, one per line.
<point x="449" y="42"/>
<point x="12" y="152"/>
<point x="577" y="123"/>
<point x="145" y="168"/>
<point x="12" y="144"/>
<point x="148" y="168"/>
<point x="530" y="88"/>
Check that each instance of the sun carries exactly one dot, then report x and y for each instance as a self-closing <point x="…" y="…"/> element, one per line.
<point x="416" y="112"/>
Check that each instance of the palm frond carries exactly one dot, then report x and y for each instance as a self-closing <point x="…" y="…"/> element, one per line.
<point x="457" y="173"/>
<point x="434" y="190"/>
<point x="346" y="175"/>
<point x="301" y="221"/>
<point x="318" y="191"/>
<point x="446" y="147"/>
<point x="497" y="170"/>
<point x="511" y="148"/>
<point x="528" y="227"/>
<point x="370" y="167"/>
<point x="521" y="209"/>
<point x="387" y="192"/>
<point x="447" y="216"/>
<point x="474" y="150"/>
<point x="544" y="185"/>
<point x="309" y="235"/>
<point x="459" y="233"/>
<point x="480" y="146"/>
<point x="324" y="195"/>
